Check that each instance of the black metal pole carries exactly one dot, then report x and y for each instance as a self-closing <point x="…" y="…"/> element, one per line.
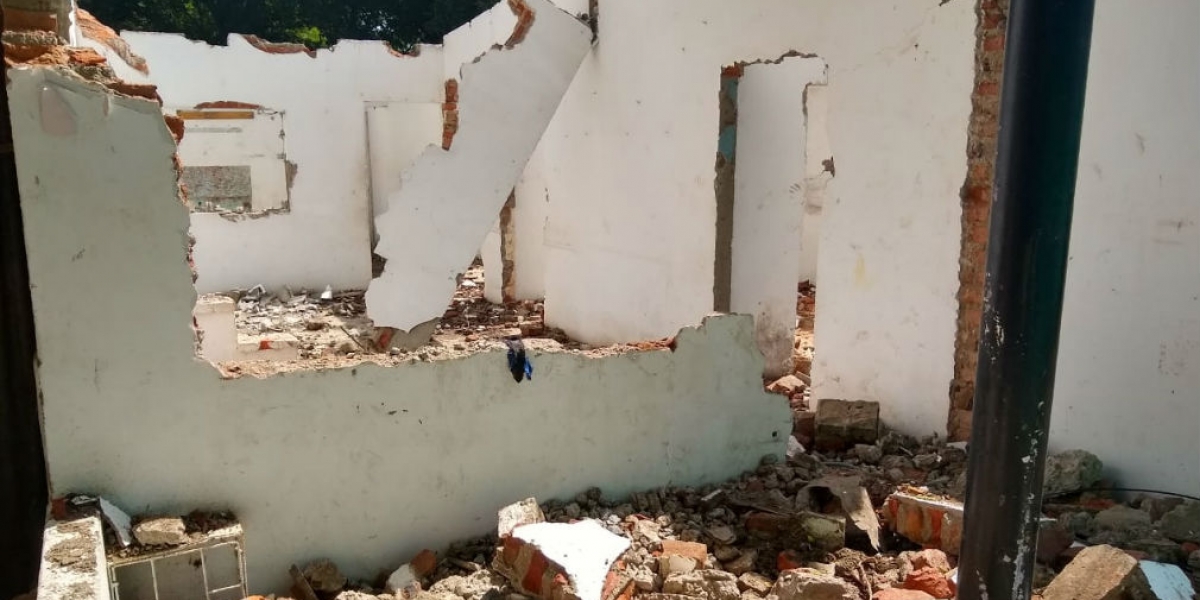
<point x="1041" y="115"/>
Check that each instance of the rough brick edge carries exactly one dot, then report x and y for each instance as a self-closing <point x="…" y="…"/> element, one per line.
<point x="94" y="30"/>
<point x="450" y="113"/>
<point x="525" y="17"/>
<point x="976" y="196"/>
<point x="278" y="47"/>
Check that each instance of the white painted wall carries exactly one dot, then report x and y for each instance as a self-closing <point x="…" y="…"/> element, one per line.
<point x="450" y="199"/>
<point x="768" y="206"/>
<point x="397" y="133"/>
<point x="1128" y="381"/>
<point x="325" y="238"/>
<point x="367" y="465"/>
<point x="257" y="142"/>
<point x="529" y="227"/>
<point x="816" y="178"/>
<point x="634" y="210"/>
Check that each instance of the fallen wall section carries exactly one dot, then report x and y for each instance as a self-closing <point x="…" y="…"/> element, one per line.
<point x="450" y="198"/>
<point x="376" y="463"/>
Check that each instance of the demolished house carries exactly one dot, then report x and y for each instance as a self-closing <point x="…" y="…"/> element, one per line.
<point x="308" y="319"/>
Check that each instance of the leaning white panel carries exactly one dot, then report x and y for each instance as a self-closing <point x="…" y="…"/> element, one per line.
<point x="449" y="200"/>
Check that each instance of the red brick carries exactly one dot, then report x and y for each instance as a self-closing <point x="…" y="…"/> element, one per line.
<point x="900" y="594"/>
<point x="988" y="88"/>
<point x="993" y="42"/>
<point x="532" y="581"/>
<point x="424" y="563"/>
<point x="931" y="581"/>
<point x="16" y="19"/>
<point x="693" y="550"/>
<point x="762" y="522"/>
<point x="788" y="560"/>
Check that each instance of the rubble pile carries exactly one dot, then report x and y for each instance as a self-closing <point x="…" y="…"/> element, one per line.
<point x="848" y="524"/>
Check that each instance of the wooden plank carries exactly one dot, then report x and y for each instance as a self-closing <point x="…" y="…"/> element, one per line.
<point x="212" y="115"/>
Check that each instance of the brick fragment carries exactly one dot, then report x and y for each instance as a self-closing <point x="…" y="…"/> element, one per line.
<point x="1099" y="573"/>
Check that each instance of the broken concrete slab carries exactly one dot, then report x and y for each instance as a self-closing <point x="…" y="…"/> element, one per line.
<point x="1099" y="573"/>
<point x="841" y="424"/>
<point x="449" y="199"/>
<point x="853" y="500"/>
<point x="74" y="566"/>
<point x="557" y="561"/>
<point x="161" y="531"/>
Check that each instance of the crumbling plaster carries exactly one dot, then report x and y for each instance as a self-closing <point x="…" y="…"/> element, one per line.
<point x="631" y="230"/>
<point x="365" y="465"/>
<point x="1128" y="380"/>
<point x="325" y="238"/>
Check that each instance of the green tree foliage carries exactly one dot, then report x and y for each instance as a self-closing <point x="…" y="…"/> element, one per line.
<point x="315" y="23"/>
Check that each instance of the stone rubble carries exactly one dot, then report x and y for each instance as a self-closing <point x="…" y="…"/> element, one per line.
<point x="779" y="532"/>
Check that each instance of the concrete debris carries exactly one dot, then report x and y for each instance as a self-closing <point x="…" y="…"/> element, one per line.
<point x="1182" y="523"/>
<point x="779" y="532"/>
<point x="842" y="424"/>
<point x="165" y="531"/>
<point x="1099" y="573"/>
<point x="851" y="499"/>
<point x="901" y="594"/>
<point x="1071" y="471"/>
<point x="525" y="512"/>
<point x="1122" y="517"/>
<point x="324" y="577"/>
<point x="809" y="584"/>
<point x="707" y="584"/>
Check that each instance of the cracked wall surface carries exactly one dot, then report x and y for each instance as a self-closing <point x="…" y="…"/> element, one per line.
<point x="377" y="463"/>
<point x="450" y="199"/>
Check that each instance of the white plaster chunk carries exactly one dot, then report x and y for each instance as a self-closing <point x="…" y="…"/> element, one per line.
<point x="525" y="512"/>
<point x="403" y="582"/>
<point x="449" y="200"/>
<point x="167" y="531"/>
<point x="585" y="550"/>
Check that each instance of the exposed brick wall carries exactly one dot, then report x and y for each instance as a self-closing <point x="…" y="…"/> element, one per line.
<point x="450" y="114"/>
<point x="976" y="208"/>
